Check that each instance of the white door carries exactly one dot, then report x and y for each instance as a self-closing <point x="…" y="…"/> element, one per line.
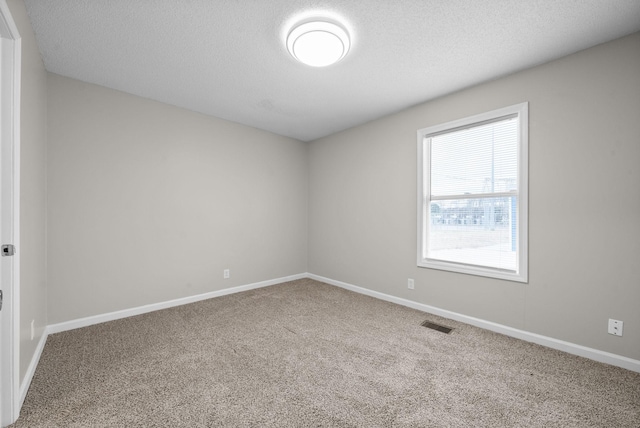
<point x="9" y="214"/>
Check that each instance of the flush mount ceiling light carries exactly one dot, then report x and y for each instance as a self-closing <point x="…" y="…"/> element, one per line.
<point x="318" y="43"/>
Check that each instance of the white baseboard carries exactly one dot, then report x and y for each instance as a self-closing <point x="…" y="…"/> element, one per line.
<point x="31" y="370"/>
<point x="568" y="347"/>
<point x="97" y="319"/>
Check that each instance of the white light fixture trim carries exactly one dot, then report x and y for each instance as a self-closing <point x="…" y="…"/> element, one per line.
<point x="318" y="43"/>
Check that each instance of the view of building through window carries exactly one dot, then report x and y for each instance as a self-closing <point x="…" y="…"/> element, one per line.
<point x="474" y="231"/>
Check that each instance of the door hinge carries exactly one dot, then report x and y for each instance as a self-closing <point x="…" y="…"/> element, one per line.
<point x="1" y="297"/>
<point x="8" y="250"/>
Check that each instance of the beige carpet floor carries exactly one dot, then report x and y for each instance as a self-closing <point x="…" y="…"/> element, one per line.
<point x="307" y="354"/>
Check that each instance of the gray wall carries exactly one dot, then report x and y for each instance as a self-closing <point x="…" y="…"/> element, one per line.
<point x="584" y="256"/>
<point x="149" y="202"/>
<point x="33" y="166"/>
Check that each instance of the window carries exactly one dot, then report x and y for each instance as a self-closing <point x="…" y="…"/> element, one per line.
<point x="472" y="194"/>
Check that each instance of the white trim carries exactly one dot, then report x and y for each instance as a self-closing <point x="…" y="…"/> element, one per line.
<point x="31" y="370"/>
<point x="97" y="319"/>
<point x="11" y="57"/>
<point x="570" y="348"/>
<point x="523" y="192"/>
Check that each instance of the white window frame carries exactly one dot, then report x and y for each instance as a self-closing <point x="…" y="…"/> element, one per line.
<point x="521" y="111"/>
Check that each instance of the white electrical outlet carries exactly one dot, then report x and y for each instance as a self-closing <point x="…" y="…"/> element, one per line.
<point x="33" y="329"/>
<point x="615" y="327"/>
<point x="226" y="274"/>
<point x="410" y="284"/>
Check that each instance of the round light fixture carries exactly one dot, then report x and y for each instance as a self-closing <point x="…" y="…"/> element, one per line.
<point x="318" y="43"/>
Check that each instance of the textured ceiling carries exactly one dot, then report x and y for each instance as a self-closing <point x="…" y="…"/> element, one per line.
<point x="228" y="58"/>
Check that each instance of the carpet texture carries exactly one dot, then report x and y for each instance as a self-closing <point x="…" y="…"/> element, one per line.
<point x="307" y="354"/>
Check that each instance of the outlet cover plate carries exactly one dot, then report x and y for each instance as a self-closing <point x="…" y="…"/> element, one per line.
<point x="615" y="327"/>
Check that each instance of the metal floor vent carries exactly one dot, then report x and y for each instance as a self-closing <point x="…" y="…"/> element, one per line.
<point x="437" y="327"/>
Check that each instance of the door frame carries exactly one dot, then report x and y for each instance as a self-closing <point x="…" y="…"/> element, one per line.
<point x="10" y="66"/>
